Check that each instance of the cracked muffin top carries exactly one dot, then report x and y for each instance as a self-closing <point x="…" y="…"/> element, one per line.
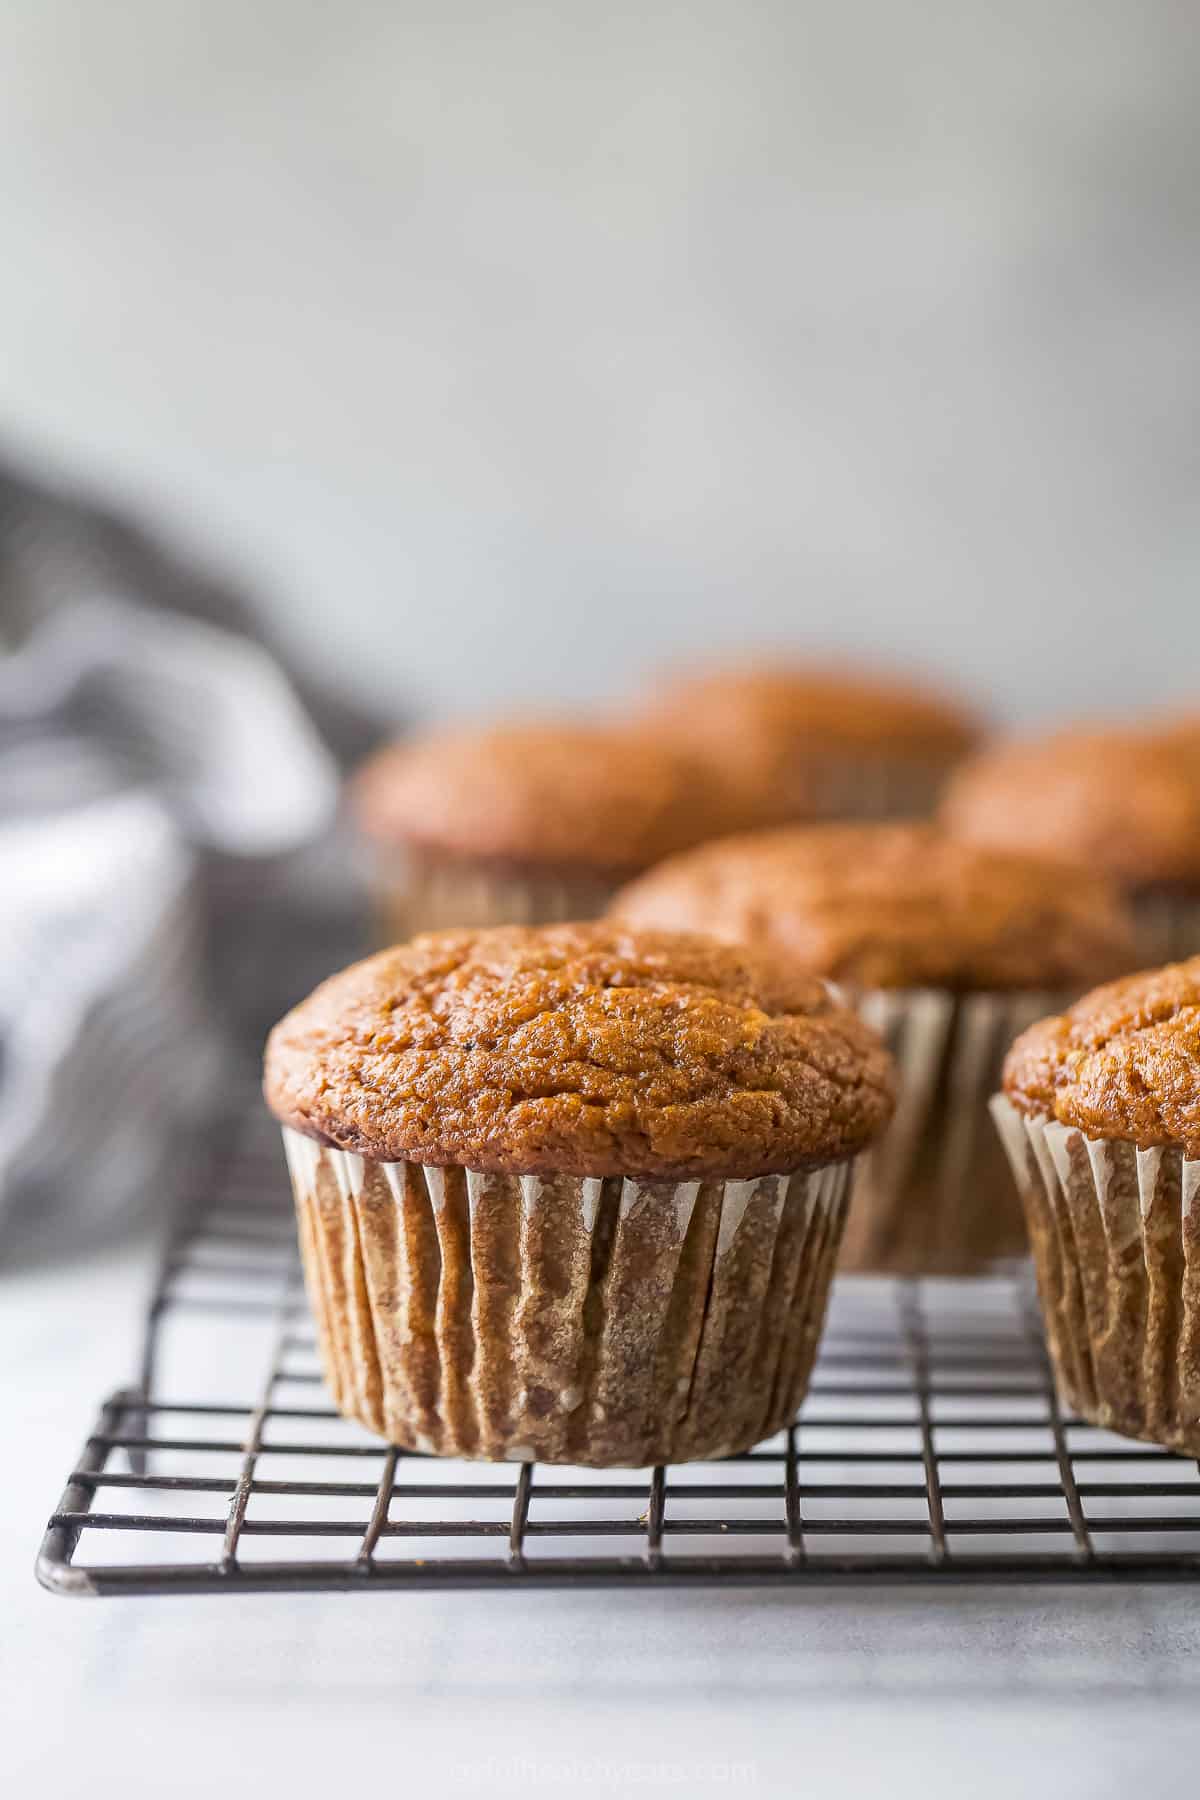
<point x="1123" y="1062"/>
<point x="554" y="796"/>
<point x="1125" y="802"/>
<point x="893" y="906"/>
<point x="585" y="1050"/>
<point x="816" y="707"/>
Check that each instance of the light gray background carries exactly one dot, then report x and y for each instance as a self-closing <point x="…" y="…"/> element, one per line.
<point x="505" y="346"/>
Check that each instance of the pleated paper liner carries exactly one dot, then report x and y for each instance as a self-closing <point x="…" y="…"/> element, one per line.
<point x="613" y="1323"/>
<point x="415" y="893"/>
<point x="830" y="785"/>
<point x="1168" y="925"/>
<point x="933" y="1196"/>
<point x="1115" y="1233"/>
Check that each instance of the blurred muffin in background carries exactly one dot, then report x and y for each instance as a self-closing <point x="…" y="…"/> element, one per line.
<point x="949" y="949"/>
<point x="1124" y="802"/>
<point x="820" y="743"/>
<point x="529" y="823"/>
<point x="1101" y="1117"/>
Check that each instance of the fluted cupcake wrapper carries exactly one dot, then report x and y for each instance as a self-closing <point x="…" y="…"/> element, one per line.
<point x="1168" y="925"/>
<point x="933" y="1196"/>
<point x="605" y="1322"/>
<point x="415" y="893"/>
<point x="1115" y="1233"/>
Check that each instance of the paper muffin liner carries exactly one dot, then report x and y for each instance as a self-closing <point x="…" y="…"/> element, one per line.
<point x="1168" y="925"/>
<point x="428" y="893"/>
<point x="883" y="786"/>
<point x="604" y="1322"/>
<point x="1115" y="1233"/>
<point x="933" y="1196"/>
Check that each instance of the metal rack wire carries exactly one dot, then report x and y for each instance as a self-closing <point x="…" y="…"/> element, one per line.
<point x="931" y="1449"/>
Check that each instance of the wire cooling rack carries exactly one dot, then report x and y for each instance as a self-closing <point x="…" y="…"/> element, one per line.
<point x="930" y="1449"/>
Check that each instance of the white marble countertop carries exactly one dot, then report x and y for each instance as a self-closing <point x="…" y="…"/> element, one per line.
<point x="1042" y="1690"/>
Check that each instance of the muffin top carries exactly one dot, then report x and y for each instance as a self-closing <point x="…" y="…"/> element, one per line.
<point x="1123" y="1062"/>
<point x="891" y="906"/>
<point x="817" y="708"/>
<point x="582" y="1049"/>
<point x="546" y="795"/>
<point x="1124" y="802"/>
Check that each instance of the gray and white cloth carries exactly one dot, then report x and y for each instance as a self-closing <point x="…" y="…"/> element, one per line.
<point x="108" y="1048"/>
<point x="159" y="778"/>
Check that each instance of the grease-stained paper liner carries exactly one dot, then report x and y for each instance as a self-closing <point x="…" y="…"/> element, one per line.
<point x="415" y="893"/>
<point x="1115" y="1233"/>
<point x="604" y="1322"/>
<point x="1168" y="925"/>
<point x="933" y="1196"/>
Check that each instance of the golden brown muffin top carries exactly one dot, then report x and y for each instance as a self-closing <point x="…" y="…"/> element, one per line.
<point x="582" y="1049"/>
<point x="1123" y="1062"/>
<point x="1127" y="803"/>
<point x="546" y="795"/>
<point x="815" y="708"/>
<point x="892" y="906"/>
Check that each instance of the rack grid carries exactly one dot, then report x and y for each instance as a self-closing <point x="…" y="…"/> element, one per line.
<point x="931" y="1449"/>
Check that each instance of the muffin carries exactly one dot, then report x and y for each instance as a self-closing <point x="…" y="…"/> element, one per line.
<point x="949" y="949"/>
<point x="1101" y="1118"/>
<point x="1126" y="803"/>
<point x="574" y="1193"/>
<point x="527" y="824"/>
<point x="819" y="743"/>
